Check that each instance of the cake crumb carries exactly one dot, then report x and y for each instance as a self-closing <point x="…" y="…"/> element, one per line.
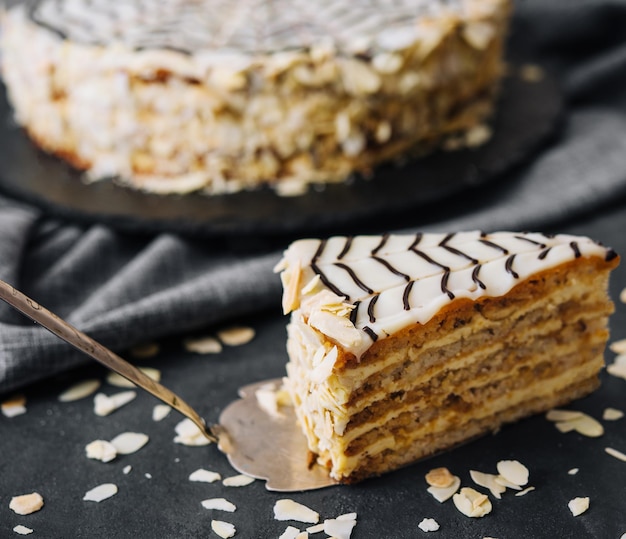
<point x="14" y="406"/>
<point x="286" y="509"/>
<point x="223" y="529"/>
<point x="428" y="525"/>
<point x="22" y="530"/>
<point x="26" y="503"/>
<point x="615" y="453"/>
<point x="578" y="506"/>
<point x="203" y="345"/>
<point x="612" y="414"/>
<point x="236" y="335"/>
<point x="80" y="390"/>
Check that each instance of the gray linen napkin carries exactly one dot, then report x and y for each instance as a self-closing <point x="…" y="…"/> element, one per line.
<point x="125" y="290"/>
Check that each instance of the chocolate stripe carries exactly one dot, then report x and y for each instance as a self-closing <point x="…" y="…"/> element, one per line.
<point x="405" y="296"/>
<point x="346" y="247"/>
<point x="391" y="268"/>
<point x="508" y="266"/>
<point x="354" y="277"/>
<point x="494" y="246"/>
<point x="382" y="243"/>
<point x="370" y="308"/>
<point x="475" y="278"/>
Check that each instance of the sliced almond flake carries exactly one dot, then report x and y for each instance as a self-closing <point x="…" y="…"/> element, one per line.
<point x="488" y="480"/>
<point x="341" y="529"/>
<point x="578" y="506"/>
<point x="26" y="503"/>
<point x="129" y="442"/>
<point x="160" y="412"/>
<point x="618" y="347"/>
<point x="236" y="336"/>
<point x="101" y="492"/>
<point x="189" y="434"/>
<point x="573" y="471"/>
<point x="525" y="491"/>
<point x="223" y="529"/>
<point x="101" y="450"/>
<point x="618" y="367"/>
<point x="118" y="380"/>
<point x="506" y="483"/>
<point x="14" y="406"/>
<point x="588" y="426"/>
<point x="317" y="528"/>
<point x="127" y="469"/>
<point x="203" y="345"/>
<point x="286" y="509"/>
<point x="612" y="414"/>
<point x="144" y="351"/>
<point x="204" y="476"/>
<point x="347" y="516"/>
<point x="305" y="535"/>
<point x="562" y="415"/>
<point x="221" y="504"/>
<point x="22" y="530"/>
<point x="104" y="405"/>
<point x="622" y="296"/>
<point x="443" y="494"/>
<point x="428" y="525"/>
<point x="439" y="477"/>
<point x="240" y="480"/>
<point x="472" y="503"/>
<point x="615" y="453"/>
<point x="147" y="475"/>
<point x="80" y="390"/>
<point x="565" y="426"/>
<point x="267" y="399"/>
<point x="291" y="532"/>
<point x="513" y="471"/>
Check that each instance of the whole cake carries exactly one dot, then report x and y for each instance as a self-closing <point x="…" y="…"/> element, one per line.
<point x="404" y="345"/>
<point x="185" y="95"/>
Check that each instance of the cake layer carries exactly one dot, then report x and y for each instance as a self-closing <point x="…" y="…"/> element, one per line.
<point x="184" y="95"/>
<point x="526" y="333"/>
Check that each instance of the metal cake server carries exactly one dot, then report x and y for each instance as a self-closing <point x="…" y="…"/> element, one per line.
<point x="256" y="443"/>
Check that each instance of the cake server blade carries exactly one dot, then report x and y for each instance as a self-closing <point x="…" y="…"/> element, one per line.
<point x="255" y="442"/>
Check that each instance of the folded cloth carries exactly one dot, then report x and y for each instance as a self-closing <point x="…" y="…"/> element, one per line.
<point x="128" y="289"/>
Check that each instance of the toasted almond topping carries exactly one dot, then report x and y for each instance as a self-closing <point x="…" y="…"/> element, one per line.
<point x="565" y="426"/>
<point x="618" y="367"/>
<point x="160" y="412"/>
<point x="80" y="390"/>
<point x="129" y="442"/>
<point x="204" y="476"/>
<point x="525" y="491"/>
<point x="146" y="350"/>
<point x="118" y="380"/>
<point x="439" y="477"/>
<point x="26" y="503"/>
<point x="203" y="345"/>
<point x="236" y="336"/>
<point x="615" y="453"/>
<point x="189" y="434"/>
<point x="127" y="469"/>
<point x="428" y="525"/>
<point x="223" y="529"/>
<point x="488" y="480"/>
<point x="513" y="471"/>
<point x="622" y="296"/>
<point x="286" y="509"/>
<point x="240" y="480"/>
<point x="14" y="406"/>
<point x="472" y="503"/>
<point x="221" y="504"/>
<point x="578" y="506"/>
<point x="292" y="533"/>
<point x="317" y="528"/>
<point x="22" y="530"/>
<point x="573" y="471"/>
<point x="443" y="494"/>
<point x="506" y="483"/>
<point x="101" y="450"/>
<point x="270" y="399"/>
<point x="562" y="415"/>
<point x="100" y="493"/>
<point x="618" y="347"/>
<point x="588" y="426"/>
<point x="105" y="405"/>
<point x="339" y="528"/>
<point x="612" y="414"/>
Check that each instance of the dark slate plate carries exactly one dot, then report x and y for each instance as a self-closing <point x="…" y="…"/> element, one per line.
<point x="528" y="114"/>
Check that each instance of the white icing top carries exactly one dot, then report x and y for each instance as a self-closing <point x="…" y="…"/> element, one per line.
<point x="382" y="284"/>
<point x="256" y="26"/>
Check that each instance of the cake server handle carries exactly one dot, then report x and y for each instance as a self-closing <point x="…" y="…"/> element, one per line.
<point x="100" y="353"/>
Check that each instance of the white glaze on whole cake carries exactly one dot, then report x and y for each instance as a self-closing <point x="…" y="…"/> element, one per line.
<point x="186" y="95"/>
<point x="356" y="290"/>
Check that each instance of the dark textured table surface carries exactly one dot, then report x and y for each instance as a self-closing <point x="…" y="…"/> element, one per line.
<point x="43" y="451"/>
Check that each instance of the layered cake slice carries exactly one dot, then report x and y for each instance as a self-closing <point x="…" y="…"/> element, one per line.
<point x="404" y="345"/>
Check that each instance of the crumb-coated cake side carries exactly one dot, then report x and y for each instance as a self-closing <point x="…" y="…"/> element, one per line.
<point x="186" y="95"/>
<point x="404" y="345"/>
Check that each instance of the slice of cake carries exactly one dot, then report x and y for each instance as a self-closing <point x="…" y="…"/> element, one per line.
<point x="220" y="96"/>
<point x="404" y="345"/>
